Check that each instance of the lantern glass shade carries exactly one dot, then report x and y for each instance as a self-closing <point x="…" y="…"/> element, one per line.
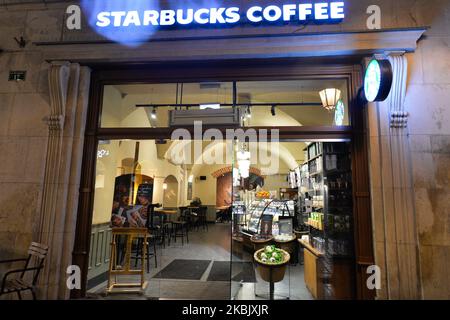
<point x="330" y="98"/>
<point x="244" y="164"/>
<point x="243" y="155"/>
<point x="244" y="173"/>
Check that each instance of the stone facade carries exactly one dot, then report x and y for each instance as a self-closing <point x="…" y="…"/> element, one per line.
<point x="410" y="165"/>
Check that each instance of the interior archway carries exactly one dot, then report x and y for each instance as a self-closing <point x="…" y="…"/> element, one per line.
<point x="170" y="187"/>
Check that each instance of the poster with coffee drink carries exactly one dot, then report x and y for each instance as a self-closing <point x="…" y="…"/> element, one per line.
<point x="132" y="196"/>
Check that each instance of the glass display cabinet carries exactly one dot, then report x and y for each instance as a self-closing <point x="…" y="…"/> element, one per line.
<point x="276" y="208"/>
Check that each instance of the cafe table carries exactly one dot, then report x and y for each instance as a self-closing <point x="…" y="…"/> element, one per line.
<point x="168" y="212"/>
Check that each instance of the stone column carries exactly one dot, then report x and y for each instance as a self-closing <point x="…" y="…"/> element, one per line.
<point x="68" y="89"/>
<point x="394" y="219"/>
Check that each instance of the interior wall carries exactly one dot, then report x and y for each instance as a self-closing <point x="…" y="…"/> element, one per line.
<point x="206" y="190"/>
<point x="109" y="167"/>
<point x="275" y="182"/>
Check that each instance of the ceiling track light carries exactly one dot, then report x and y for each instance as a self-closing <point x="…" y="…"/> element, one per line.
<point x="153" y="114"/>
<point x="273" y="111"/>
<point x="249" y="112"/>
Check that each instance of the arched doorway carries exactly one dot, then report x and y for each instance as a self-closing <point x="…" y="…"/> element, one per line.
<point x="170" y="197"/>
<point x="224" y="185"/>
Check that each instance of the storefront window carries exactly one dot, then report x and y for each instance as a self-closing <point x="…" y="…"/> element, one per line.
<point x="121" y="103"/>
<point x="289" y="103"/>
<point x="264" y="220"/>
<point x="228" y="219"/>
<point x="162" y="186"/>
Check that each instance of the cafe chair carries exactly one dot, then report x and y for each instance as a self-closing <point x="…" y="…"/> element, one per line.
<point x="14" y="281"/>
<point x="150" y="252"/>
<point x="180" y="228"/>
<point x="227" y="215"/>
<point x="202" y="218"/>
<point x="154" y="225"/>
<point x="161" y="229"/>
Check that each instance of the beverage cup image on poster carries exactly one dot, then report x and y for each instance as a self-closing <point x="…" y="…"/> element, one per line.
<point x="132" y="196"/>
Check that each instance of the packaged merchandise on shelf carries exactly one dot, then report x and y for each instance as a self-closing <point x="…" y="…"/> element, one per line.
<point x="343" y="182"/>
<point x="319" y="164"/>
<point x="339" y="223"/>
<point x="308" y="205"/>
<point x="316" y="220"/>
<point x="298" y="176"/>
<point x="315" y="166"/>
<point x="318" y="243"/>
<point x="338" y="247"/>
<point x="331" y="162"/>
<point x="292" y="179"/>
<point x="339" y="200"/>
<point x="317" y="201"/>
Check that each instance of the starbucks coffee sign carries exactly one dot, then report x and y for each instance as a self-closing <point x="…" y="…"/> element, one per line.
<point x="132" y="23"/>
<point x="146" y="16"/>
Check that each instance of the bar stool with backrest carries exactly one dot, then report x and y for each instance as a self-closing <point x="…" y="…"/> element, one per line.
<point x="180" y="226"/>
<point x="194" y="217"/>
<point x="202" y="217"/>
<point x="153" y="230"/>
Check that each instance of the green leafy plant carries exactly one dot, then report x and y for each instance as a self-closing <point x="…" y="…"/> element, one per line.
<point x="272" y="255"/>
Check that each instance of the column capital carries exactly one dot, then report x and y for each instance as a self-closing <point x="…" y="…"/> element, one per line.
<point x="58" y="79"/>
<point x="398" y="115"/>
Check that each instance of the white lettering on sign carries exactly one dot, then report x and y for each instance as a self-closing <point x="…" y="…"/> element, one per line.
<point x="320" y="12"/>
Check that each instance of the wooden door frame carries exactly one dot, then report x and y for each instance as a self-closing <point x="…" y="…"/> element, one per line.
<point x="270" y="69"/>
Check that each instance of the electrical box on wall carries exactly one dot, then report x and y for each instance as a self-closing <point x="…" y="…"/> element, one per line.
<point x="17" y="75"/>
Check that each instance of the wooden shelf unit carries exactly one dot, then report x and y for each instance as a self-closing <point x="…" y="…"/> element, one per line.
<point x="325" y="270"/>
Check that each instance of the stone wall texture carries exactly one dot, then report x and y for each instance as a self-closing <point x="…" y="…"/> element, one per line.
<point x="24" y="133"/>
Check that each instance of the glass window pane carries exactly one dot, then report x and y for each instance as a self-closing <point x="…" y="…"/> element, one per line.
<point x="296" y="102"/>
<point x="119" y="102"/>
<point x="272" y="103"/>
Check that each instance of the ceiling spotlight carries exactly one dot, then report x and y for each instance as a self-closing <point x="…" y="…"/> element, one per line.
<point x="273" y="111"/>
<point x="249" y="112"/>
<point x="153" y="114"/>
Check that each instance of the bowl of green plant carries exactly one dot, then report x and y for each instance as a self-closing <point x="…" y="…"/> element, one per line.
<point x="271" y="263"/>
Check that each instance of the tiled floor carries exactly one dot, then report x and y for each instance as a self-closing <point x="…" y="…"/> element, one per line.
<point x="213" y="245"/>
